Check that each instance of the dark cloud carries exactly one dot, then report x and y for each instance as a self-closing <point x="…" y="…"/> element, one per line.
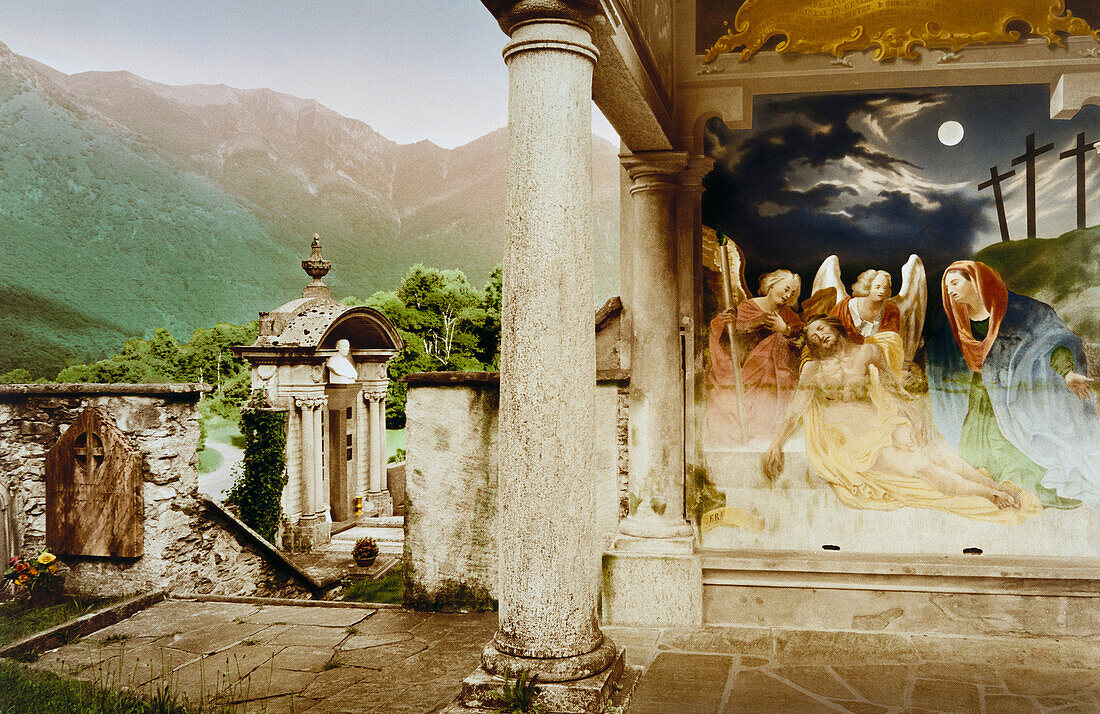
<point x="753" y="196"/>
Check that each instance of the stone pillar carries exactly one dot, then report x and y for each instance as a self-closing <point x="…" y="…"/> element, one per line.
<point x="313" y="528"/>
<point x="362" y="450"/>
<point x="653" y="577"/>
<point x="292" y="494"/>
<point x="548" y="545"/>
<point x="656" y="374"/>
<point x="309" y="445"/>
<point x="320" y="489"/>
<point x="375" y="395"/>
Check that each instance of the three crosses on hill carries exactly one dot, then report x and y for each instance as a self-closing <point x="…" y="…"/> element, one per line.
<point x="1079" y="152"/>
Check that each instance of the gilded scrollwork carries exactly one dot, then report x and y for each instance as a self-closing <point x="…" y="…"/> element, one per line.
<point x="893" y="28"/>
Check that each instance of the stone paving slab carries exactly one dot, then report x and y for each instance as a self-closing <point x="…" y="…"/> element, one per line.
<point x="285" y="658"/>
<point x="726" y="670"/>
<point x="321" y="659"/>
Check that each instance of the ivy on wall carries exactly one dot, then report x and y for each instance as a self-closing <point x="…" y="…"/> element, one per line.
<point x="258" y="491"/>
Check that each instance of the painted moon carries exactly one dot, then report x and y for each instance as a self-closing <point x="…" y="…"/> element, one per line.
<point x="950" y="133"/>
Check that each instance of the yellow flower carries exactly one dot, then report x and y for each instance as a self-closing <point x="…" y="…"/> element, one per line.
<point x="47" y="558"/>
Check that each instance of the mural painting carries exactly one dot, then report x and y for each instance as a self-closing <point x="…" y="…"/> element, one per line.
<point x="955" y="411"/>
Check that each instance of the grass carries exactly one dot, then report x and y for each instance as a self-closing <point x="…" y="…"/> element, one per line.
<point x="209" y="461"/>
<point x="18" y="619"/>
<point x="27" y="691"/>
<point x="390" y="588"/>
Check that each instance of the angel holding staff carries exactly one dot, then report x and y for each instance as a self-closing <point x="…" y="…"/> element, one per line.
<point x="754" y="356"/>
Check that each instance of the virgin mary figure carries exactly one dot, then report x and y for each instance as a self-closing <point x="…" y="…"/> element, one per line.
<point x="1008" y="389"/>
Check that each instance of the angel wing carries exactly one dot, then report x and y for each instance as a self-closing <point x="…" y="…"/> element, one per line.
<point x="827" y="290"/>
<point x="912" y="301"/>
<point x="726" y="254"/>
<point x="828" y="276"/>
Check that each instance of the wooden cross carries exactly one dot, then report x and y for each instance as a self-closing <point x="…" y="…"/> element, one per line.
<point x="1080" y="151"/>
<point x="995" y="180"/>
<point x="1028" y="157"/>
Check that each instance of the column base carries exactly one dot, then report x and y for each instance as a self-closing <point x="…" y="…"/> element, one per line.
<point x="642" y="588"/>
<point x="307" y="534"/>
<point x="381" y="501"/>
<point x="650" y="525"/>
<point x="579" y="696"/>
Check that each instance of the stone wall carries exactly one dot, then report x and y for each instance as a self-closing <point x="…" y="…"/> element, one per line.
<point x="183" y="549"/>
<point x="451" y="478"/>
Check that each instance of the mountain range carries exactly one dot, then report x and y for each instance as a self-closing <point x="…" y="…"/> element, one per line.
<point x="127" y="205"/>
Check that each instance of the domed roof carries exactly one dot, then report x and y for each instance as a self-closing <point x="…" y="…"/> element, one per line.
<point x="315" y="320"/>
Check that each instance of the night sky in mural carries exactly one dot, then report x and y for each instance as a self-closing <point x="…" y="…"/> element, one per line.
<point x="865" y="176"/>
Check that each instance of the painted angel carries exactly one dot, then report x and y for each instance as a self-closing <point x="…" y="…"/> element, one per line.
<point x="872" y="315"/>
<point x="753" y="352"/>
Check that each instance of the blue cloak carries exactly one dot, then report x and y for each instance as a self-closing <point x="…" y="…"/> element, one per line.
<point x="1034" y="408"/>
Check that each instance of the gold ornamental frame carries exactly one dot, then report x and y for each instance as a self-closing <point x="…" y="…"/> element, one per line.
<point x="894" y="28"/>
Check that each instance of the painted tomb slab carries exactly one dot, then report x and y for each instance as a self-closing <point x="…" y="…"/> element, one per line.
<point x="901" y="291"/>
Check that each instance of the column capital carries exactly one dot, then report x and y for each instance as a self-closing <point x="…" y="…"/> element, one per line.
<point x="654" y="170"/>
<point x="698" y="166"/>
<point x="374" y="393"/>
<point x="510" y="13"/>
<point x="310" y="402"/>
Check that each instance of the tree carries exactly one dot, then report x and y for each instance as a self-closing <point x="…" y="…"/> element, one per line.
<point x="445" y="323"/>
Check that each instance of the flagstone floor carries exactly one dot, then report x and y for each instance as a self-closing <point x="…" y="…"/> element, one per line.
<point x="331" y="659"/>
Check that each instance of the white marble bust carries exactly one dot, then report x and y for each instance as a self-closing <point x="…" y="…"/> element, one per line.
<point x="339" y="367"/>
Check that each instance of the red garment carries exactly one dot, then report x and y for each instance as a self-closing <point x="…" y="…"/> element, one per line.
<point x="891" y="319"/>
<point x="769" y="373"/>
<point x="994" y="295"/>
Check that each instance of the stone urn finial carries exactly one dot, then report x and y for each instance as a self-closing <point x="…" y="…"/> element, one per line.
<point x="316" y="267"/>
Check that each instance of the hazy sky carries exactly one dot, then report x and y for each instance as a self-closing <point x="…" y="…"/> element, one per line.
<point x="411" y="69"/>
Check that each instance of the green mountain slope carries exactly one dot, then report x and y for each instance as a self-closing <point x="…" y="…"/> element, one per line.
<point x="1063" y="272"/>
<point x="127" y="205"/>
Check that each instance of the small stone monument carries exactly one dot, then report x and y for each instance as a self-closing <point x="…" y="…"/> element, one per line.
<point x="324" y="363"/>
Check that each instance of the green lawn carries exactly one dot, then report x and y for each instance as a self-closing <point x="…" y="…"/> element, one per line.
<point x="29" y="691"/>
<point x="18" y="619"/>
<point x="389" y="588"/>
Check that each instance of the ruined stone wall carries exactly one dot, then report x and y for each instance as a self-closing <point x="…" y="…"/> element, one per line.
<point x="451" y="479"/>
<point x="184" y="550"/>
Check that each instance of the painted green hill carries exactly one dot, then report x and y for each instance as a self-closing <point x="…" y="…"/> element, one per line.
<point x="1063" y="272"/>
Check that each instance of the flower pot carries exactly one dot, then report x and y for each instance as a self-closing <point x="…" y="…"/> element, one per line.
<point x="365" y="562"/>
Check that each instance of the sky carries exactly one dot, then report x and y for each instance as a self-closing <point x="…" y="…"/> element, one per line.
<point x="411" y="69"/>
<point x="863" y="175"/>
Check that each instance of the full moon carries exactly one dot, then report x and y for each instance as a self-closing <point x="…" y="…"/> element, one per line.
<point x="950" y="133"/>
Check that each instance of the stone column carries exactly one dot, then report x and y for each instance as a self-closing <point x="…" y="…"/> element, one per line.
<point x="292" y="494"/>
<point x="548" y="544"/>
<point x="362" y="450"/>
<point x="320" y="490"/>
<point x="309" y="481"/>
<point x="314" y="528"/>
<point x="374" y="395"/>
<point x="656" y="374"/>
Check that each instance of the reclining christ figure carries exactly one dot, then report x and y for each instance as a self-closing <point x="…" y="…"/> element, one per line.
<point x="867" y="438"/>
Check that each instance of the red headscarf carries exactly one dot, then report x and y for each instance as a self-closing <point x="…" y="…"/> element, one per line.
<point x="994" y="296"/>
